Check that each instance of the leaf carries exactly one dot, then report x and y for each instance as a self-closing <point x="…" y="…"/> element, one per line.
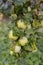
<point x="19" y="2"/>
<point x="28" y="17"/>
<point x="27" y="48"/>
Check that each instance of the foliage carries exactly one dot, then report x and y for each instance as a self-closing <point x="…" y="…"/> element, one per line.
<point x="21" y="38"/>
